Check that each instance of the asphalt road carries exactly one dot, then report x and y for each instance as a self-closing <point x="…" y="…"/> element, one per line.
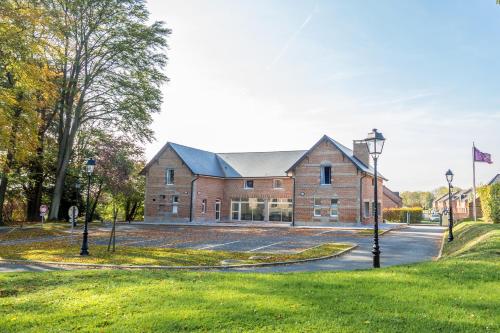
<point x="412" y="244"/>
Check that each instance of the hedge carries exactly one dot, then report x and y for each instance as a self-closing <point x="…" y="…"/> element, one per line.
<point x="490" y="202"/>
<point x="399" y="214"/>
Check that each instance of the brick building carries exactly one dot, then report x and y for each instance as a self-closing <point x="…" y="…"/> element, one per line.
<point x="391" y="199"/>
<point x="326" y="184"/>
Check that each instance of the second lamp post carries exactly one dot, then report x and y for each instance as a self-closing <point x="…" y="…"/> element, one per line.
<point x="85" y="244"/>
<point x="375" y="142"/>
<point x="449" y="179"/>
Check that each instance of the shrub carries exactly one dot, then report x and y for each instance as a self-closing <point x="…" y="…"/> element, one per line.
<point x="490" y="202"/>
<point x="399" y="214"/>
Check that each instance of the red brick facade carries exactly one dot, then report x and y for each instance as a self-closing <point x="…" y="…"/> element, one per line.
<point x="342" y="201"/>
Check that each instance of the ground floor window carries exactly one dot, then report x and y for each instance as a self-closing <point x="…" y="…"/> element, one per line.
<point x="367" y="209"/>
<point x="317" y="207"/>
<point x="254" y="209"/>
<point x="281" y="210"/>
<point x="334" y="208"/>
<point x="251" y="209"/>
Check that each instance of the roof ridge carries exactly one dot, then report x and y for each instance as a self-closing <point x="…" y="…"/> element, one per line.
<point x="269" y="151"/>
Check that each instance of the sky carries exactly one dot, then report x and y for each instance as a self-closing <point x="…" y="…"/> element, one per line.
<point x="266" y="75"/>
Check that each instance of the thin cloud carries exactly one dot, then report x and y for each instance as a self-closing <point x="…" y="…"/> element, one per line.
<point x="292" y="38"/>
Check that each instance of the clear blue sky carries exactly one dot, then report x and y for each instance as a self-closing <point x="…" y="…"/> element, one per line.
<point x="276" y="75"/>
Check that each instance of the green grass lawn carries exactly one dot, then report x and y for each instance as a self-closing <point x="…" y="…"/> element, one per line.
<point x="460" y="293"/>
<point x="68" y="250"/>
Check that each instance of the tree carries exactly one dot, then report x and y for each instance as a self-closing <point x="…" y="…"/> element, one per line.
<point x="26" y="84"/>
<point x="111" y="67"/>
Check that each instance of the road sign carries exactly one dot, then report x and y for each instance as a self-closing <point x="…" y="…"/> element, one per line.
<point x="73" y="212"/>
<point x="43" y="210"/>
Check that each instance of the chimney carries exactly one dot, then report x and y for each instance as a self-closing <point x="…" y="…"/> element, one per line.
<point x="360" y="151"/>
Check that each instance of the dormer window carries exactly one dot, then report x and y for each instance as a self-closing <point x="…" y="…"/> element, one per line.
<point x="326" y="175"/>
<point x="248" y="184"/>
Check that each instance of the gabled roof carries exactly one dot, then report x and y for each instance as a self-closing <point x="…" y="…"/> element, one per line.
<point x="393" y="195"/>
<point x="232" y="165"/>
<point x="248" y="164"/>
<point x="346" y="151"/>
<point x="495" y="179"/>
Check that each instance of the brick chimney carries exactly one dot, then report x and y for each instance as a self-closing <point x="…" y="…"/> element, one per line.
<point x="360" y="151"/>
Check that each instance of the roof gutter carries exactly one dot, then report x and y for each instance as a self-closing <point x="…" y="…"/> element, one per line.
<point x="192" y="197"/>
<point x="361" y="198"/>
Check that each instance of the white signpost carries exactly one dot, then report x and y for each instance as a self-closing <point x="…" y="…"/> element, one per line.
<point x="73" y="214"/>
<point x="43" y="211"/>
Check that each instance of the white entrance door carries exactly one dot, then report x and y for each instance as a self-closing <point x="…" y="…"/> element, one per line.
<point x="217" y="210"/>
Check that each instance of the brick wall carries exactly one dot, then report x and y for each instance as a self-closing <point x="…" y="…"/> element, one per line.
<point x="209" y="189"/>
<point x="345" y="186"/>
<point x="387" y="202"/>
<point x="158" y="203"/>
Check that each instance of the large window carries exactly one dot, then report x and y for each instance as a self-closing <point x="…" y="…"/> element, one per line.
<point x="169" y="176"/>
<point x="251" y="209"/>
<point x="280" y="210"/>
<point x="317" y="207"/>
<point x="334" y="208"/>
<point x="326" y="175"/>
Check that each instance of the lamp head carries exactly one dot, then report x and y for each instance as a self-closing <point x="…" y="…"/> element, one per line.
<point x="449" y="176"/>
<point x="90" y="166"/>
<point x="375" y="142"/>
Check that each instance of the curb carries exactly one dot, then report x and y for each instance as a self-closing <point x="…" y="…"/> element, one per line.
<point x="440" y="254"/>
<point x="159" y="267"/>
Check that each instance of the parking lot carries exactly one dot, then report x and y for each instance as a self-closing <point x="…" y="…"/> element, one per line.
<point x="254" y="239"/>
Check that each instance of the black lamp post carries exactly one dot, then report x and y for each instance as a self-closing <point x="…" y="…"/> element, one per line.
<point x="375" y="142"/>
<point x="77" y="193"/>
<point x="449" y="179"/>
<point x="85" y="245"/>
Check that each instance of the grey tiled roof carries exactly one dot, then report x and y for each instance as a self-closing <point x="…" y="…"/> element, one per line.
<point x="261" y="164"/>
<point x="250" y="164"/>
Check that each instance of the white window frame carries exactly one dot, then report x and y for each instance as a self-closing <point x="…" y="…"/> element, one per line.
<point x="168" y="178"/>
<point x="277" y="187"/>
<point x="322" y="174"/>
<point x="245" y="184"/>
<point x="315" y="207"/>
<point x="336" y="208"/>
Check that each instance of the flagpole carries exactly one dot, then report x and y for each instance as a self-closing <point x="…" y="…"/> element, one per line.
<point x="474" y="181"/>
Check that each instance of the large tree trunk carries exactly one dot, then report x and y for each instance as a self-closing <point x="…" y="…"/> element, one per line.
<point x="35" y="188"/>
<point x="9" y="161"/>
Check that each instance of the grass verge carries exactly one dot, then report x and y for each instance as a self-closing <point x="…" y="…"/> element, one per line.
<point x="460" y="293"/>
<point x="68" y="251"/>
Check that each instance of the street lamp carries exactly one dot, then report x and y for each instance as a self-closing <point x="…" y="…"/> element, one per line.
<point x="85" y="246"/>
<point x="77" y="193"/>
<point x="449" y="179"/>
<point x="375" y="142"/>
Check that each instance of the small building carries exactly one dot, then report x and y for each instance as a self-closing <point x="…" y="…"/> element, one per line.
<point x="328" y="183"/>
<point x="391" y="199"/>
<point x="461" y="202"/>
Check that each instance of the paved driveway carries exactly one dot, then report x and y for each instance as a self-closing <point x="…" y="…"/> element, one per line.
<point x="404" y="246"/>
<point x="416" y="243"/>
